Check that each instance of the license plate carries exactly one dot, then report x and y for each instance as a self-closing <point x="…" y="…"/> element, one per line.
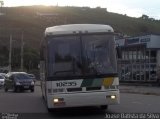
<point x="26" y="86"/>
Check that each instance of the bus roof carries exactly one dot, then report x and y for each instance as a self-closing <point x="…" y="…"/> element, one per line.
<point x="77" y="28"/>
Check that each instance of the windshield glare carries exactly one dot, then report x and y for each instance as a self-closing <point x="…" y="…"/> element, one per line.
<point x="85" y="55"/>
<point x="21" y="76"/>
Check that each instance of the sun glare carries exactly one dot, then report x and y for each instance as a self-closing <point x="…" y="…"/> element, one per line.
<point x="120" y="7"/>
<point x="30" y="2"/>
<point x="89" y="3"/>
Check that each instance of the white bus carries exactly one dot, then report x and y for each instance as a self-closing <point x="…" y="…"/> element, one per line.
<point x="78" y="66"/>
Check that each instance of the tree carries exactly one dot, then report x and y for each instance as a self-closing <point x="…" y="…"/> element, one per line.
<point x="143" y="28"/>
<point x="145" y="17"/>
<point x="31" y="60"/>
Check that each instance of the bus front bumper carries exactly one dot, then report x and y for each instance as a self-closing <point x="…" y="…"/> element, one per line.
<point x="83" y="99"/>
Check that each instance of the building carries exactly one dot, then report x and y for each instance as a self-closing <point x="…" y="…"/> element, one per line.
<point x="139" y="58"/>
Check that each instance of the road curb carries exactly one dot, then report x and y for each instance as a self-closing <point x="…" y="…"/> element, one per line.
<point x="37" y="83"/>
<point x="146" y="90"/>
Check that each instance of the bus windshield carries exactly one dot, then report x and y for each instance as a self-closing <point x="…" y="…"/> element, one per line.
<point x="85" y="55"/>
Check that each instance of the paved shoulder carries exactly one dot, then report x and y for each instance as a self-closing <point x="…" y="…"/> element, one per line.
<point x="148" y="90"/>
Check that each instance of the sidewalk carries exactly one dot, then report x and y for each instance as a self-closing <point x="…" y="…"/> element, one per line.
<point x="37" y="83"/>
<point x="147" y="90"/>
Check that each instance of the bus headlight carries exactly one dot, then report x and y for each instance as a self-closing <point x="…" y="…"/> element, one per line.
<point x="113" y="97"/>
<point x="58" y="101"/>
<point x="55" y="100"/>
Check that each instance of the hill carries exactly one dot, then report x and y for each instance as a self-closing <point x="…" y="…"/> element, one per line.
<point x="33" y="20"/>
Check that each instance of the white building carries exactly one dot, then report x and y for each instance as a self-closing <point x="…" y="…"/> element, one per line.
<point x="139" y="58"/>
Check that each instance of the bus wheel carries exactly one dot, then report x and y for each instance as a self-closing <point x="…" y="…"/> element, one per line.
<point x="50" y="109"/>
<point x="104" y="107"/>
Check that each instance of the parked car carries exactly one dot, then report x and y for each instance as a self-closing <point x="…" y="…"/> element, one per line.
<point x="126" y="76"/>
<point x="3" y="74"/>
<point x="2" y="78"/>
<point x="18" y="81"/>
<point x="32" y="76"/>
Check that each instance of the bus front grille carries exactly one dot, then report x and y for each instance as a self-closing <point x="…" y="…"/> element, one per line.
<point x="74" y="89"/>
<point x="92" y="88"/>
<point x="85" y="89"/>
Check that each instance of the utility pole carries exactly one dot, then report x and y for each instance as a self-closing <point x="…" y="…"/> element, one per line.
<point x="10" y="54"/>
<point x="22" y="44"/>
<point x="2" y="3"/>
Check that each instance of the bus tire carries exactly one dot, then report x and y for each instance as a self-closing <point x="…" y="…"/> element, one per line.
<point x="104" y="107"/>
<point x="50" y="109"/>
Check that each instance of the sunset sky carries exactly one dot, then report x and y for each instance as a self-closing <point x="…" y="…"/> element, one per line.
<point x="133" y="8"/>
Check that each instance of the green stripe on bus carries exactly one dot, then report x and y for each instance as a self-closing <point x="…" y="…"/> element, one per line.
<point x="87" y="83"/>
<point x="97" y="82"/>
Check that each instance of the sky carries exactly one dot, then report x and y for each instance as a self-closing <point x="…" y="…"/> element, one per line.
<point x="133" y="8"/>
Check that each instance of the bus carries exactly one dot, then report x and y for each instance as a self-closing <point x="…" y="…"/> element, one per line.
<point x="78" y="66"/>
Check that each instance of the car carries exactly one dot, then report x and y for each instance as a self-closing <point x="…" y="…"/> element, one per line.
<point x="3" y="74"/>
<point x="32" y="76"/>
<point x="18" y="81"/>
<point x="2" y="78"/>
<point x="126" y="76"/>
<point x="141" y="75"/>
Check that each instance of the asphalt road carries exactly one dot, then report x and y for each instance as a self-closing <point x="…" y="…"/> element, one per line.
<point x="33" y="105"/>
